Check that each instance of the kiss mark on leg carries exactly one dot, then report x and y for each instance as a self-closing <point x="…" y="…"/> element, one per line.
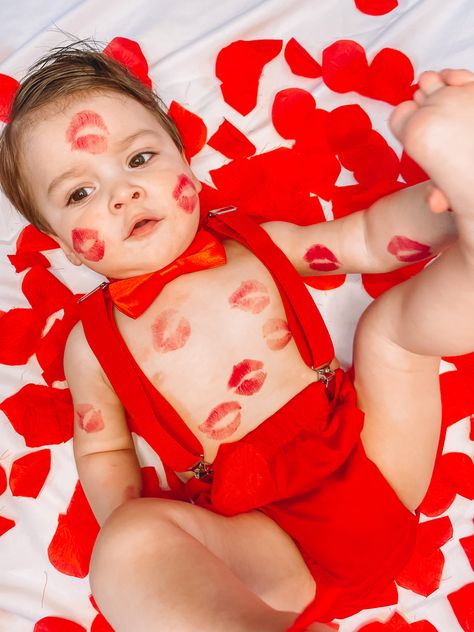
<point x="408" y="250"/>
<point x="276" y="333"/>
<point x="185" y="194"/>
<point x="86" y="242"/>
<point x="170" y="331"/>
<point x="89" y="419"/>
<point x="92" y="143"/>
<point x="250" y="296"/>
<point x="223" y="421"/>
<point x="321" y="258"/>
<point x="247" y="377"/>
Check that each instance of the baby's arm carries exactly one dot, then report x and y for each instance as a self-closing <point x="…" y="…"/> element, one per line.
<point x="103" y="448"/>
<point x="395" y="231"/>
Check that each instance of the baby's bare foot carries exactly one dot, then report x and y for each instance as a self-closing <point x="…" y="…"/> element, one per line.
<point x="437" y="130"/>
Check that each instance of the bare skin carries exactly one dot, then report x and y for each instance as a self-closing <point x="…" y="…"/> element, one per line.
<point x="247" y="574"/>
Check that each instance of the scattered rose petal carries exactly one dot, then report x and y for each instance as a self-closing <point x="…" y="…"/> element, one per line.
<point x="453" y="474"/>
<point x="467" y="544"/>
<point x="52" y="406"/>
<point x="377" y="284"/>
<point x="355" y="197"/>
<point x="410" y="171"/>
<point x="345" y="66"/>
<point x="29" y="473"/>
<point x="8" y="89"/>
<point x="33" y="240"/>
<point x="390" y="77"/>
<point x="191" y="127"/>
<point x="57" y="624"/>
<point x="20" y="332"/>
<point x="457" y="396"/>
<point x="326" y="282"/>
<point x="462" y="603"/>
<point x="71" y="547"/>
<point x="231" y="142"/>
<point x="376" y="7"/>
<point x="130" y="55"/>
<point x="6" y="524"/>
<point x="239" y="67"/>
<point x="291" y="111"/>
<point x="346" y="125"/>
<point x="44" y="291"/>
<point x="100" y="624"/>
<point x="372" y="161"/>
<point x="27" y="260"/>
<point x="50" y="350"/>
<point x="300" y="61"/>
<point x="3" y="480"/>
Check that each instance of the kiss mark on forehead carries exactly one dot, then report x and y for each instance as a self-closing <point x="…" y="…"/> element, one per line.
<point x="185" y="193"/>
<point x="86" y="242"/>
<point x="92" y="143"/>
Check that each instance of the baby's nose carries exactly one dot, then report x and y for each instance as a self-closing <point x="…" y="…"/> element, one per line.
<point x="135" y="196"/>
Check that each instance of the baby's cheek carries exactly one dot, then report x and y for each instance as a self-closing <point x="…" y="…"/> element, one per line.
<point x="89" y="418"/>
<point x="86" y="242"/>
<point x="185" y="194"/>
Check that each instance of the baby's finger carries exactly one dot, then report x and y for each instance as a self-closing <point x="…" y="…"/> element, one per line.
<point x="456" y="77"/>
<point x="430" y="81"/>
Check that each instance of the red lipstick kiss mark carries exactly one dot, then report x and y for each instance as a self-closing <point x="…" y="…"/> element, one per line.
<point x="321" y="258"/>
<point x="90" y="419"/>
<point x="408" y="250"/>
<point x="276" y="333"/>
<point x="85" y="242"/>
<point x="185" y="194"/>
<point x="251" y="296"/>
<point x="226" y="412"/>
<point x="92" y="143"/>
<point x="240" y="380"/>
<point x="170" y="331"/>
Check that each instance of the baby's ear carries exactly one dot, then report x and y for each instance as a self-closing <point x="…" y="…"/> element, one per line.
<point x="73" y="258"/>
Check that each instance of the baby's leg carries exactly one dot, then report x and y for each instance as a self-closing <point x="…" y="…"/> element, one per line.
<point x="170" y="566"/>
<point x="403" y="333"/>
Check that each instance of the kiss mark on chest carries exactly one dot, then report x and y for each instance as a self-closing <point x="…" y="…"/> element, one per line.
<point x="222" y="421"/>
<point x="276" y="333"/>
<point x="170" y="331"/>
<point x="247" y="377"/>
<point x="251" y="296"/>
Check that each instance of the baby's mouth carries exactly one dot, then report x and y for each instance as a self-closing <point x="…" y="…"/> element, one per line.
<point x="143" y="227"/>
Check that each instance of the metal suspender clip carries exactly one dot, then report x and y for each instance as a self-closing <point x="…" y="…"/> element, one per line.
<point x="221" y="211"/>
<point x="201" y="470"/>
<point x="99" y="287"/>
<point x="325" y="374"/>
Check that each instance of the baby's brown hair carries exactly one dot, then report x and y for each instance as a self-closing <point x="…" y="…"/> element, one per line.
<point x="62" y="73"/>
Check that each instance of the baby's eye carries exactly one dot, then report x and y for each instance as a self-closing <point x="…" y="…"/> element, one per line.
<point x="140" y="159"/>
<point x="78" y="195"/>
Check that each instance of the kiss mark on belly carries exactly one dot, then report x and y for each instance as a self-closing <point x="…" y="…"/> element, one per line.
<point x="251" y="296"/>
<point x="89" y="418"/>
<point x="321" y="258"/>
<point x="247" y="377"/>
<point x="92" y="143"/>
<point x="408" y="250"/>
<point x="86" y="242"/>
<point x="185" y="193"/>
<point x="276" y="333"/>
<point x="223" y="421"/>
<point x="170" y="331"/>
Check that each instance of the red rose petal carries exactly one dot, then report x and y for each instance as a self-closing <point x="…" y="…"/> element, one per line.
<point x="463" y="362"/>
<point x="329" y="282"/>
<point x="191" y="127"/>
<point x="313" y="135"/>
<point x="150" y="483"/>
<point x="453" y="474"/>
<point x="71" y="547"/>
<point x="3" y="480"/>
<point x="34" y="401"/>
<point x="462" y="603"/>
<point x="346" y="125"/>
<point x="239" y="67"/>
<point x="291" y="110"/>
<point x="130" y="55"/>
<point x="397" y="623"/>
<point x="377" y="284"/>
<point x="6" y="524"/>
<point x="8" y="89"/>
<point x="467" y="544"/>
<point x="318" y="172"/>
<point x="457" y="396"/>
<point x="32" y="240"/>
<point x="354" y="197"/>
<point x="29" y="473"/>
<point x="345" y="66"/>
<point x="390" y="77"/>
<point x="100" y="624"/>
<point x="372" y="161"/>
<point x="20" y="332"/>
<point x="44" y="291"/>
<point x="300" y="61"/>
<point x="50" y="350"/>
<point x="376" y="7"/>
<point x="27" y="260"/>
<point x="57" y="624"/>
<point x="410" y="171"/>
<point x="231" y="142"/>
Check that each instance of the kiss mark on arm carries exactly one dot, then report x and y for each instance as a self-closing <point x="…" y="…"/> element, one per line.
<point x="407" y="250"/>
<point x="92" y="143"/>
<point x="89" y="418"/>
<point x="321" y="258"/>
<point x="251" y="296"/>
<point x="86" y="242"/>
<point x="170" y="331"/>
<point x="223" y="421"/>
<point x="276" y="333"/>
<point x="247" y="377"/>
<point x="185" y="194"/>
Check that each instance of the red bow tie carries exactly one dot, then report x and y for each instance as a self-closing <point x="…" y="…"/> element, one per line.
<point x="134" y="295"/>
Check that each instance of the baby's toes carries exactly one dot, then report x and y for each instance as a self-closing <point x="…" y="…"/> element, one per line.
<point x="400" y="117"/>
<point x="456" y="77"/>
<point x="430" y="81"/>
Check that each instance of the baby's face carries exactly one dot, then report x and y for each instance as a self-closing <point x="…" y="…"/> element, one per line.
<point x="112" y="185"/>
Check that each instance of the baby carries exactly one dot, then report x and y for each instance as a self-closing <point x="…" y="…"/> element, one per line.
<point x="292" y="487"/>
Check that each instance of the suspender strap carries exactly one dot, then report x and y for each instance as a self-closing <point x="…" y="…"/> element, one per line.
<point x="305" y="321"/>
<point x="108" y="346"/>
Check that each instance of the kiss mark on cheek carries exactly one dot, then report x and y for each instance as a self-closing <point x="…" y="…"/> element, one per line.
<point x="247" y="377"/>
<point x="321" y="258"/>
<point x="92" y="143"/>
<point x="86" y="242"/>
<point x="89" y="418"/>
<point x="222" y="422"/>
<point x="276" y="333"/>
<point x="250" y="296"/>
<point x="185" y="194"/>
<point x="170" y="331"/>
<point x="407" y="250"/>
